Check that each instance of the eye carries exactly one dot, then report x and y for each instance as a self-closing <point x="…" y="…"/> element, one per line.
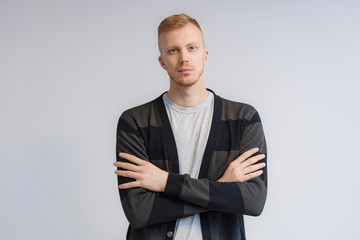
<point x="173" y="50"/>
<point x="192" y="48"/>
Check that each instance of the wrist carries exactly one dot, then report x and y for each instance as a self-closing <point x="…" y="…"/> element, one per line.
<point x="164" y="182"/>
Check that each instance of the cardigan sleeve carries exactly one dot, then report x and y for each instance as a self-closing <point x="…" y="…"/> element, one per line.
<point x="141" y="206"/>
<point x="232" y="197"/>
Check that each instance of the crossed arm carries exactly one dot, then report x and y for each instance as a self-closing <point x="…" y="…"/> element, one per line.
<point x="150" y="177"/>
<point x="161" y="190"/>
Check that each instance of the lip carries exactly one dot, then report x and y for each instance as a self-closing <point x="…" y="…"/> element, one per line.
<point x="185" y="70"/>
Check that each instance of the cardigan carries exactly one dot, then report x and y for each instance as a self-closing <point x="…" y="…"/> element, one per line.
<point x="145" y="131"/>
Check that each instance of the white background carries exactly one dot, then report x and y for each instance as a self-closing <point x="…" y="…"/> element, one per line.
<point x="69" y="68"/>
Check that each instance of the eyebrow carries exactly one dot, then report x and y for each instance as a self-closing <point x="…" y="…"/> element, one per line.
<point x="192" y="43"/>
<point x="175" y="46"/>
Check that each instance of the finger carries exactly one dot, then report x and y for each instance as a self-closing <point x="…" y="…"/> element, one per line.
<point x="128" y="174"/>
<point x="246" y="155"/>
<point x="127" y="166"/>
<point x="131" y="158"/>
<point x="253" y="160"/>
<point x="254" y="168"/>
<point x="129" y="185"/>
<point x="252" y="175"/>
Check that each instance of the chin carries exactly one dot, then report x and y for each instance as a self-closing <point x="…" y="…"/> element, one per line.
<point x="185" y="83"/>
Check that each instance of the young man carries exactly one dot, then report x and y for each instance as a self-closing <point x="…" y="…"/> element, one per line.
<point x="190" y="163"/>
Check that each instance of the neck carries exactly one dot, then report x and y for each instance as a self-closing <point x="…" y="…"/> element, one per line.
<point x="188" y="96"/>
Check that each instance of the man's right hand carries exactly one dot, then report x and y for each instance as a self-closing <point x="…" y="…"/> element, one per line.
<point x="244" y="168"/>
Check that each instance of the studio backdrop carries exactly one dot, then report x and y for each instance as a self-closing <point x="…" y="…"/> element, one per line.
<point x="68" y="69"/>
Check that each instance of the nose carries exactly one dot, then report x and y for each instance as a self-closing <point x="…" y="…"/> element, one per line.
<point x="183" y="57"/>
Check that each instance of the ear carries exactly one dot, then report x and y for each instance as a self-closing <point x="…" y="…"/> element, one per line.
<point x="161" y="61"/>
<point x="206" y="53"/>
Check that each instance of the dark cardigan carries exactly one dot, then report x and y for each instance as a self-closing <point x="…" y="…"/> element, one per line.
<point x="145" y="132"/>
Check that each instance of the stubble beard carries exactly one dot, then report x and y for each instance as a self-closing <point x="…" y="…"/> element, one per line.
<point x="186" y="83"/>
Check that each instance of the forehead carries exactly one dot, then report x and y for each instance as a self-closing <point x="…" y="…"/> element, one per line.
<point x="180" y="36"/>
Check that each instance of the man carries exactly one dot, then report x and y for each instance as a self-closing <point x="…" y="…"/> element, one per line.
<point x="190" y="163"/>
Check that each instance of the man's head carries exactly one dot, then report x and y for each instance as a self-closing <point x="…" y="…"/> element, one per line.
<point x="181" y="46"/>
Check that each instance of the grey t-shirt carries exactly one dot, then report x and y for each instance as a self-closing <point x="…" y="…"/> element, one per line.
<point x="191" y="127"/>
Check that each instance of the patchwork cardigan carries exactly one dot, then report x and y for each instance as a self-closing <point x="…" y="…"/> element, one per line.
<point x="145" y="132"/>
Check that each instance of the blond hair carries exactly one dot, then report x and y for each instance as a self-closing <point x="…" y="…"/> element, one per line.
<point x="176" y="21"/>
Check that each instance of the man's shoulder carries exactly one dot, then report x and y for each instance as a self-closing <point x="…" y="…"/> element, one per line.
<point x="140" y="109"/>
<point x="232" y="110"/>
<point x="142" y="115"/>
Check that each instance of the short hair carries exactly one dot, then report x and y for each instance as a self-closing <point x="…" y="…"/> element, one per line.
<point x="176" y="21"/>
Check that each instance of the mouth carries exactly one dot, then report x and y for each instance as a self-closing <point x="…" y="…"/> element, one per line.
<point x="185" y="70"/>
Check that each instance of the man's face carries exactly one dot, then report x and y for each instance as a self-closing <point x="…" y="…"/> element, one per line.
<point x="183" y="55"/>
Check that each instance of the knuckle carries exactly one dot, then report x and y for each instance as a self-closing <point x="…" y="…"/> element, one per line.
<point x="253" y="160"/>
<point x="141" y="183"/>
<point x="252" y="168"/>
<point x="251" y="175"/>
<point x="234" y="171"/>
<point x="142" y="169"/>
